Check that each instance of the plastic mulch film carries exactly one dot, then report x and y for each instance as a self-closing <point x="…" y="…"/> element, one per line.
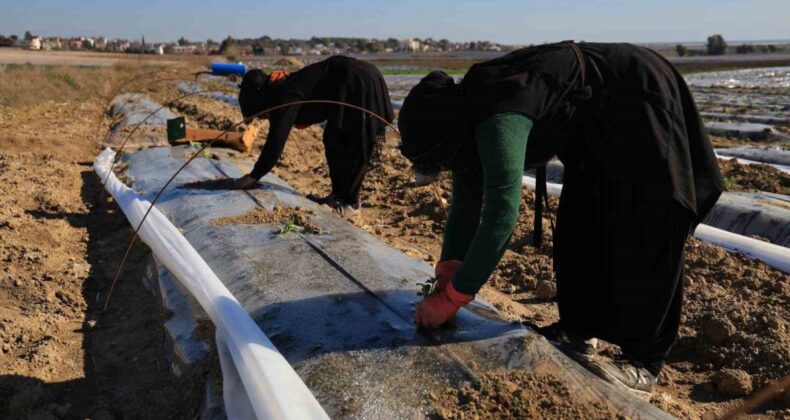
<point x="251" y="365"/>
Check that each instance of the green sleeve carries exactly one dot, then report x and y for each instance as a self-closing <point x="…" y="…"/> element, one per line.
<point x="484" y="212"/>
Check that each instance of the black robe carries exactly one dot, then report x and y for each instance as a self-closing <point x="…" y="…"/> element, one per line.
<point x="337" y="78"/>
<point x="545" y="84"/>
<point x="640" y="172"/>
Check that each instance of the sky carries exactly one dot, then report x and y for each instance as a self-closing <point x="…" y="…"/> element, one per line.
<point x="507" y="22"/>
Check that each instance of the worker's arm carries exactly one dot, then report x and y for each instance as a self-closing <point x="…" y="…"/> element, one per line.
<point x="479" y="234"/>
<point x="464" y="214"/>
<point x="282" y="121"/>
<point x="299" y="86"/>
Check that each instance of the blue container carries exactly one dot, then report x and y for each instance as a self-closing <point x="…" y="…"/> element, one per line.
<point x="226" y="69"/>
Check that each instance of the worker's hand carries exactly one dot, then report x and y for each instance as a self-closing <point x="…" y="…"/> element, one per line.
<point x="244" y="183"/>
<point x="444" y="272"/>
<point x="441" y="307"/>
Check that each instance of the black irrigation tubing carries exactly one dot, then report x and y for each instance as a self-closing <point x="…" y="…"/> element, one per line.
<point x="200" y="151"/>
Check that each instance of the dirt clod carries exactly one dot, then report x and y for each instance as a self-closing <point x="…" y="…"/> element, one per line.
<point x="733" y="383"/>
<point x="546" y="290"/>
<point x="718" y="330"/>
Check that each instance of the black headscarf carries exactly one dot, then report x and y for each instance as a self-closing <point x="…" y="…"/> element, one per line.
<point x="252" y="98"/>
<point x="434" y="126"/>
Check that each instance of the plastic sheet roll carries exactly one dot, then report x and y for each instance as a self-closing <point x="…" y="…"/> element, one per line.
<point x="250" y="362"/>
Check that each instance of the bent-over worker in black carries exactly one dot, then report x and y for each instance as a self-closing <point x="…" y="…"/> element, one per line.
<point x="349" y="134"/>
<point x="640" y="173"/>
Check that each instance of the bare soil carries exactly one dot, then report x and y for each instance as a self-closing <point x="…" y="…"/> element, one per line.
<point x="754" y="178"/>
<point x="516" y="394"/>
<point x="60" y="244"/>
<point x="283" y="217"/>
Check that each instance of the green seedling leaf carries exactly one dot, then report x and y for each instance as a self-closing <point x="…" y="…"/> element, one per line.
<point x="289" y="226"/>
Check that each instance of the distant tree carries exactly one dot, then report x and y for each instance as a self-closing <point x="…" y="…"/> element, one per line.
<point x="772" y="48"/>
<point x="28" y="36"/>
<point x="230" y="48"/>
<point x="183" y="41"/>
<point x="14" y="38"/>
<point x="681" y="50"/>
<point x="227" y="43"/>
<point x="716" y="45"/>
<point x="392" y="43"/>
<point x="744" y="49"/>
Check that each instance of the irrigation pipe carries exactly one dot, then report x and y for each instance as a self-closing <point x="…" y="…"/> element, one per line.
<point x="774" y="255"/>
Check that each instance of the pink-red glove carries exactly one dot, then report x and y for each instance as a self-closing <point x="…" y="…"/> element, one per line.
<point x="444" y="272"/>
<point x="441" y="307"/>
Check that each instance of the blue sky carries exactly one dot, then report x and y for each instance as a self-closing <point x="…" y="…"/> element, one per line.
<point x="510" y="21"/>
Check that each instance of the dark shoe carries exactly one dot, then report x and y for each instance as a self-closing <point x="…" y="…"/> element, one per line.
<point x="569" y="343"/>
<point x="328" y="200"/>
<point x="629" y="375"/>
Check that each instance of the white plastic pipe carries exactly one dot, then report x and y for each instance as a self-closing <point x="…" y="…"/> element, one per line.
<point x="274" y="390"/>
<point x="774" y="255"/>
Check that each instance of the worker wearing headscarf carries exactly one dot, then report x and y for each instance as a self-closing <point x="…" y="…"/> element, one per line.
<point x="349" y="134"/>
<point x="640" y="173"/>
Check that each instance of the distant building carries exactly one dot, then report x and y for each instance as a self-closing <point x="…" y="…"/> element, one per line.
<point x="49" y="44"/>
<point x="118" y="45"/>
<point x="295" y="51"/>
<point x="409" y="44"/>
<point x="184" y="49"/>
<point x="34" y="43"/>
<point x="100" y="43"/>
<point x="75" y="43"/>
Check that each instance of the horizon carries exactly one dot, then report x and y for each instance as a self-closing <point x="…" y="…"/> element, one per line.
<point x="509" y="22"/>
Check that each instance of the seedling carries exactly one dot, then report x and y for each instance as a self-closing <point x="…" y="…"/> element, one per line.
<point x="205" y="154"/>
<point x="729" y="182"/>
<point x="290" y="226"/>
<point x="428" y="288"/>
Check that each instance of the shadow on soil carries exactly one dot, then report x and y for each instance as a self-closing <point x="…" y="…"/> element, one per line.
<point x="126" y="372"/>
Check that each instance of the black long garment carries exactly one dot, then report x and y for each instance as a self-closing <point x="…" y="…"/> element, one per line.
<point x="640" y="172"/>
<point x="337" y="78"/>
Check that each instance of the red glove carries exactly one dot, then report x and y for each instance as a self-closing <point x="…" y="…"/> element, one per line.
<point x="441" y="307"/>
<point x="444" y="272"/>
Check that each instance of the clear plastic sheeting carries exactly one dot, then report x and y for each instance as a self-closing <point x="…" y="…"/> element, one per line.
<point x="258" y="381"/>
<point x="134" y="108"/>
<point x="773" y="255"/>
<point x="194" y="88"/>
<point x="743" y="130"/>
<point x="338" y="303"/>
<point x="770" y="155"/>
<point x="774" y="77"/>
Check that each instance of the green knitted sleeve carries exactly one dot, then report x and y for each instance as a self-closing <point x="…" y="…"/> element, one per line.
<point x="484" y="208"/>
